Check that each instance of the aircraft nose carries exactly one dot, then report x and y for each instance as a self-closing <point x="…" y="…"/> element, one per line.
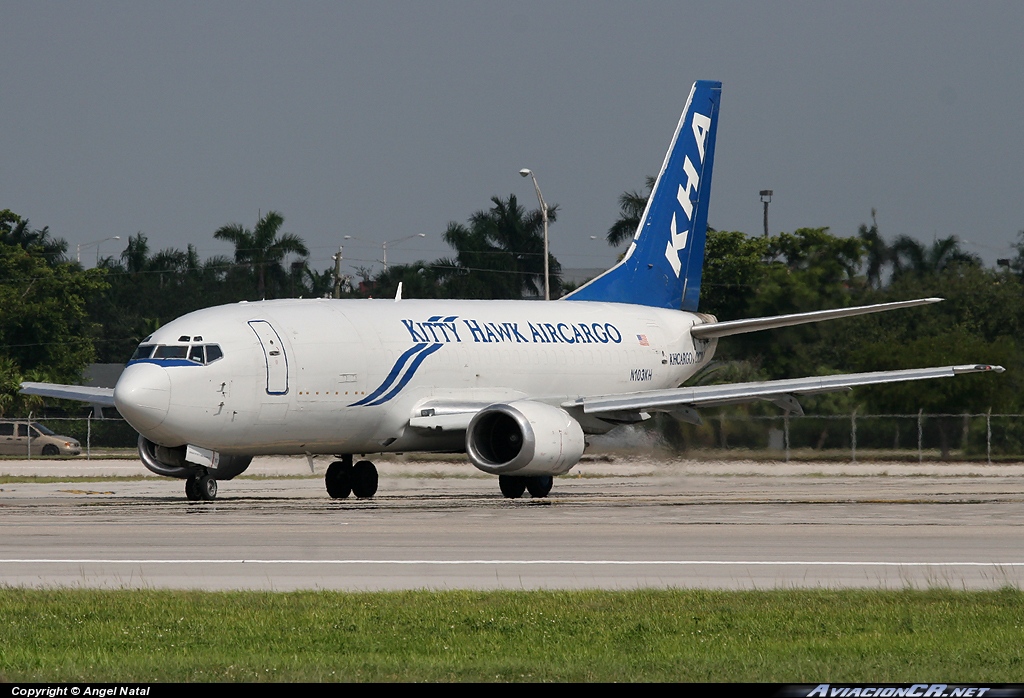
<point x="143" y="395"/>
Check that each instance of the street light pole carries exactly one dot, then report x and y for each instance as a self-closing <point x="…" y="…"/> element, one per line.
<point x="78" y="251"/>
<point x="766" y="198"/>
<point x="544" y="214"/>
<point x="337" y="272"/>
<point x="395" y="242"/>
<point x="384" y="247"/>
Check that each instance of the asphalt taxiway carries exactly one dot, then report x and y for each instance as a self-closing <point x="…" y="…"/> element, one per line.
<point x="443" y="525"/>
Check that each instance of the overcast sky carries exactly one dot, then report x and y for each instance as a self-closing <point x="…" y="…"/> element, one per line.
<point x="386" y="119"/>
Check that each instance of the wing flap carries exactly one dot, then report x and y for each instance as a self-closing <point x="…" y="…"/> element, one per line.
<point x="711" y="395"/>
<point x="94" y="396"/>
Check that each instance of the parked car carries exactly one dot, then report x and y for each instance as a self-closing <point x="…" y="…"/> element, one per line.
<point x="16" y="435"/>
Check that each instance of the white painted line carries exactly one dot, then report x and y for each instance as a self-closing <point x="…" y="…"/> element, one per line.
<point x="760" y="563"/>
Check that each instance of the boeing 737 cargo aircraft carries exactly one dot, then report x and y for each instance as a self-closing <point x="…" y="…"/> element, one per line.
<point x="515" y="384"/>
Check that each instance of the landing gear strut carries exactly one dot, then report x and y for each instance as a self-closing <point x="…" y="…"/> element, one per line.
<point x="513" y="486"/>
<point x="200" y="486"/>
<point x="343" y="478"/>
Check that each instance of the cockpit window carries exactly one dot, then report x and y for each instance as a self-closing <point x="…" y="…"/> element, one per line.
<point x="170" y="352"/>
<point x="197" y="353"/>
<point x="144" y="351"/>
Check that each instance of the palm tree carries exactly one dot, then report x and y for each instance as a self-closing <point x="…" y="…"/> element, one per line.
<point x="878" y="253"/>
<point x="500" y="254"/>
<point x="911" y="257"/>
<point x="136" y="254"/>
<point x="263" y="248"/>
<point x="631" y="208"/>
<point x="14" y="230"/>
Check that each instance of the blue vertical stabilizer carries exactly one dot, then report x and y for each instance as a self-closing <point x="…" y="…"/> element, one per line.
<point x="662" y="267"/>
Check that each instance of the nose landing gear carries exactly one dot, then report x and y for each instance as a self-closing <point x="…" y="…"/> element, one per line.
<point x="200" y="486"/>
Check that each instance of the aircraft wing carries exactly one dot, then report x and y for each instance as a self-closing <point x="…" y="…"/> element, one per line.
<point x="94" y="396"/>
<point x="778" y="391"/>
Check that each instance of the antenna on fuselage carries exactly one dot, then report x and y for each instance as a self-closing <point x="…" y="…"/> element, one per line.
<point x="398" y="293"/>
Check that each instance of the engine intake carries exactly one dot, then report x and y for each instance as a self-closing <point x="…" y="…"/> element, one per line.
<point x="170" y="462"/>
<point x="524" y="438"/>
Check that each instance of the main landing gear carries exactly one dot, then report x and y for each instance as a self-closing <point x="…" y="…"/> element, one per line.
<point x="513" y="486"/>
<point x="343" y="478"/>
<point x="200" y="486"/>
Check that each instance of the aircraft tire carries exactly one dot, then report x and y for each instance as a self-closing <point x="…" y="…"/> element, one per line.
<point x="512" y="486"/>
<point x="338" y="479"/>
<point x="207" y="487"/>
<point x="192" y="489"/>
<point x="364" y="479"/>
<point x="539" y="485"/>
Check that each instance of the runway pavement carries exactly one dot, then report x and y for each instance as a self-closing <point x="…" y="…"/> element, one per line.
<point x="619" y="524"/>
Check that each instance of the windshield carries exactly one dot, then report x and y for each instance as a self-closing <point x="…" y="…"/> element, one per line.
<point x="43" y="429"/>
<point x="196" y="353"/>
<point x="144" y="351"/>
<point x="169" y="352"/>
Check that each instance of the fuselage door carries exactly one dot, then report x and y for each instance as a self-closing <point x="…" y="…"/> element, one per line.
<point x="274" y="353"/>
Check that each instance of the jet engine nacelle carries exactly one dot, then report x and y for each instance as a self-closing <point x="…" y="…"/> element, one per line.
<point x="170" y="462"/>
<point x="524" y="438"/>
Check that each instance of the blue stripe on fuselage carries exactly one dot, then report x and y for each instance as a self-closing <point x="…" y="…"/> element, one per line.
<point x="395" y="370"/>
<point x="165" y="362"/>
<point x="408" y="374"/>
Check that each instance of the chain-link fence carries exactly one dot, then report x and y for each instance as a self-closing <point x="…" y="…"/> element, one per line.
<point x="984" y="437"/>
<point x="27" y="436"/>
<point x="981" y="437"/>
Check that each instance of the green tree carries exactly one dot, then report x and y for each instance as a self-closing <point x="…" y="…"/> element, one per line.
<point x="148" y="289"/>
<point x="809" y="269"/>
<point x="263" y="248"/>
<point x="14" y="230"/>
<point x="500" y="254"/>
<point x="909" y="256"/>
<point x="734" y="267"/>
<point x="632" y="205"/>
<point x="877" y="252"/>
<point x="419" y="280"/>
<point x="1017" y="263"/>
<point x="45" y="333"/>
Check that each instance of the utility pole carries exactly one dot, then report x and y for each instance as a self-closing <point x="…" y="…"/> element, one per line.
<point x="766" y="198"/>
<point x="337" y="273"/>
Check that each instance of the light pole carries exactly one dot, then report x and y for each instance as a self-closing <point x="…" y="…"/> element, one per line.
<point x="384" y="247"/>
<point x="78" y="254"/>
<point x="337" y="272"/>
<point x="544" y="214"/>
<point x="766" y="198"/>
<point x="395" y="242"/>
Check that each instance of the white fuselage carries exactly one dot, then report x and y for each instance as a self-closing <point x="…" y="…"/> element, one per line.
<point x="345" y="376"/>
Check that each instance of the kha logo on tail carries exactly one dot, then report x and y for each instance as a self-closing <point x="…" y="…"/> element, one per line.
<point x="677" y="242"/>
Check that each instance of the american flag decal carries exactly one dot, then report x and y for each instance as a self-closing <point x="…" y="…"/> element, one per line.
<point x="642" y="338"/>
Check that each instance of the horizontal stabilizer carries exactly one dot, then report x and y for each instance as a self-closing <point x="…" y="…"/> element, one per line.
<point x="732" y="393"/>
<point x="94" y="396"/>
<point x="731" y="327"/>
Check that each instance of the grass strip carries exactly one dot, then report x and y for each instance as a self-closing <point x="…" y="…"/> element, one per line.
<point x="789" y="636"/>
